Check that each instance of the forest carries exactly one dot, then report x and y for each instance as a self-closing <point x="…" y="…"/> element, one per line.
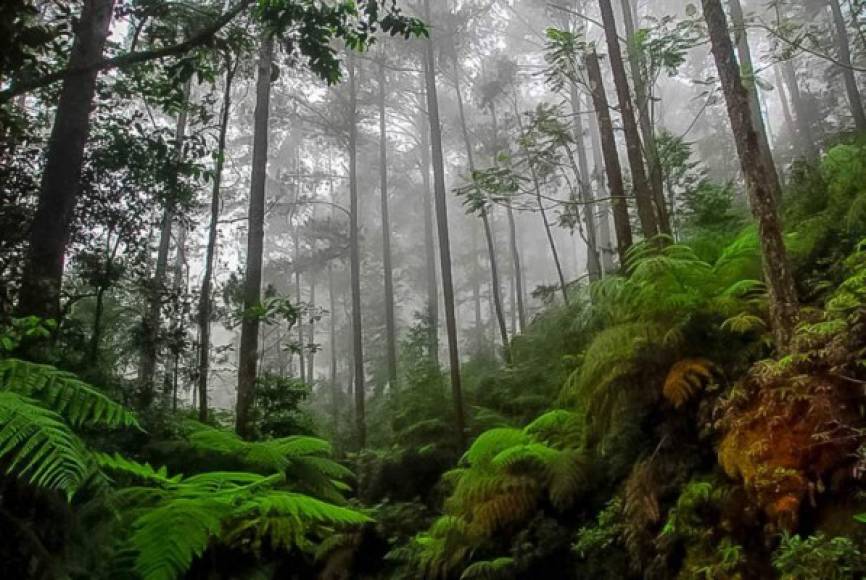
<point x="432" y="289"/>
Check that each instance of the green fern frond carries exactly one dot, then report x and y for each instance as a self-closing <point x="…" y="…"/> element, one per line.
<point x="559" y="428"/>
<point x="498" y="569"/>
<point x="79" y="403"/>
<point x="38" y="446"/>
<point x="491" y="442"/>
<point x="139" y="471"/>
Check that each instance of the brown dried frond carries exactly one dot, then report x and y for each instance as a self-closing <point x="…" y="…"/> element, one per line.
<point x="685" y="378"/>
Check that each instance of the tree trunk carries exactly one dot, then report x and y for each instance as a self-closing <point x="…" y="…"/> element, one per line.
<point x="429" y="236"/>
<point x="512" y="228"/>
<point x="153" y="314"/>
<point x="621" y="221"/>
<point x="205" y="306"/>
<point x="642" y="192"/>
<point x="390" y="322"/>
<point x="843" y="48"/>
<point x="744" y="53"/>
<point x="247" y="359"/>
<point x="299" y="300"/>
<point x="593" y="263"/>
<point x="61" y="177"/>
<point x="642" y="96"/>
<point x="485" y="220"/>
<point x="96" y="336"/>
<point x="604" y="239"/>
<point x="762" y="181"/>
<point x="536" y="184"/>
<point x="332" y="338"/>
<point x="442" y="229"/>
<point x="311" y="336"/>
<point x="786" y="109"/>
<point x="476" y="294"/>
<point x="804" y="131"/>
<point x="355" y="259"/>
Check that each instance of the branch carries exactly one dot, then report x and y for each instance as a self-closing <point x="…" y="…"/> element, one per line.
<point x="129" y="58"/>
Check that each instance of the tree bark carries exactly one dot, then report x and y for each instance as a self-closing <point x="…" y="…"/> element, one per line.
<point x="843" y="48"/>
<point x="61" y="177"/>
<point x="390" y="322"/>
<point x="643" y="194"/>
<point x="604" y="239"/>
<point x="786" y="109"/>
<point x="762" y="181"/>
<point x="205" y="306"/>
<point x="593" y="262"/>
<point x="744" y="54"/>
<point x="247" y="359"/>
<point x="302" y="367"/>
<point x="642" y="96"/>
<point x="442" y="229"/>
<point x="355" y="259"/>
<point x="621" y="222"/>
<point x="429" y="235"/>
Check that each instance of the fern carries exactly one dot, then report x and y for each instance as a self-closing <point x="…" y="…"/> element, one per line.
<point x="38" y="446"/>
<point x="497" y="569"/>
<point x="79" y="403"/>
<point x="685" y="378"/>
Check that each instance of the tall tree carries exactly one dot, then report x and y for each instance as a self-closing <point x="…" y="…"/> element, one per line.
<point x="586" y="196"/>
<point x="643" y="96"/>
<point x="495" y="286"/>
<point x="744" y="54"/>
<point x="355" y="261"/>
<point x="150" y="347"/>
<point x="804" y="133"/>
<point x="605" y="244"/>
<point x="621" y="222"/>
<point x="642" y="189"/>
<point x="60" y="185"/>
<point x="762" y="181"/>
<point x="429" y="228"/>
<point x="390" y="323"/>
<point x="205" y="305"/>
<point x="247" y="356"/>
<point x="843" y="49"/>
<point x="442" y="229"/>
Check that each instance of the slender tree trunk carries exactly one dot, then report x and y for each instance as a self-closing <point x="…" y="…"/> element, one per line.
<point x="621" y="221"/>
<point x="642" y="95"/>
<point x="786" y="109"/>
<point x="390" y="322"/>
<point x="332" y="341"/>
<point x="744" y="54"/>
<point x="429" y="237"/>
<point x="444" y="238"/>
<point x="152" y="321"/>
<point x="299" y="300"/>
<point x="518" y="271"/>
<point x="355" y="259"/>
<point x="604" y="238"/>
<point x="61" y="177"/>
<point x="512" y="228"/>
<point x="485" y="220"/>
<point x="476" y="294"/>
<point x="644" y="198"/>
<point x="96" y="336"/>
<point x="762" y="181"/>
<point x="536" y="184"/>
<point x="843" y="48"/>
<point x="247" y="359"/>
<point x="205" y="306"/>
<point x="593" y="262"/>
<point x="311" y="336"/>
<point x="804" y="131"/>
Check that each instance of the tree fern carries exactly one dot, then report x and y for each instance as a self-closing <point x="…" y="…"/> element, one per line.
<point x="38" y="446"/>
<point x="498" y="569"/>
<point x="79" y="403"/>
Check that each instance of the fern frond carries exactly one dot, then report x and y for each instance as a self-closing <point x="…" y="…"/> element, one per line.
<point x="79" y="403"/>
<point x="559" y="428"/>
<point x="140" y="471"/>
<point x="491" y="442"/>
<point x="498" y="569"/>
<point x="38" y="446"/>
<point x="684" y="378"/>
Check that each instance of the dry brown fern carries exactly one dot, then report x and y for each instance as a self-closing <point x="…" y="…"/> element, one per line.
<point x="685" y="378"/>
